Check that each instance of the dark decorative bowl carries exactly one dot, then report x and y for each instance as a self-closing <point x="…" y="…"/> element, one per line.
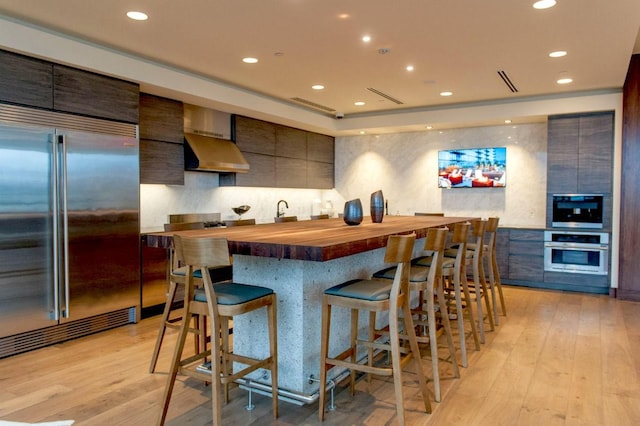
<point x="240" y="210"/>
<point x="353" y="212"/>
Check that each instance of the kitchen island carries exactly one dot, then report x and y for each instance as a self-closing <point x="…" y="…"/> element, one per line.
<point x="299" y="260"/>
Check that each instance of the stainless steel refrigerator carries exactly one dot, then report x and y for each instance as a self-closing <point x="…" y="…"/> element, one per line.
<point x="69" y="227"/>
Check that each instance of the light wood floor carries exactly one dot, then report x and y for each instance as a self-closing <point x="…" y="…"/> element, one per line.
<point x="556" y="359"/>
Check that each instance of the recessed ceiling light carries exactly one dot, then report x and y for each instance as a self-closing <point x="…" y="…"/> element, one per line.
<point x="429" y="127"/>
<point x="544" y="4"/>
<point x="446" y="93"/>
<point x="558" y="54"/>
<point x="362" y="132"/>
<point x="359" y="103"/>
<point x="344" y="16"/>
<point x="317" y="87"/>
<point x="137" y="16"/>
<point x="249" y="60"/>
<point x="409" y="68"/>
<point x="564" y="80"/>
<point x="366" y="39"/>
<point x="507" y="121"/>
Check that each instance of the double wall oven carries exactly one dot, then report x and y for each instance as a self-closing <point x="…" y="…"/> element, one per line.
<point x="579" y="247"/>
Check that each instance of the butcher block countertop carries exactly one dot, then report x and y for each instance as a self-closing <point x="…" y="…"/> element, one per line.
<point x="315" y="240"/>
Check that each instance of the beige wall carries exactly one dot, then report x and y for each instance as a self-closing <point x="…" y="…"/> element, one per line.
<point x="405" y="167"/>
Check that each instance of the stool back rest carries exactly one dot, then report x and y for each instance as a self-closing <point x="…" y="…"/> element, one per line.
<point x="479" y="227"/>
<point x="435" y="243"/>
<point x="179" y="226"/>
<point x="239" y="222"/>
<point x="492" y="232"/>
<point x="400" y="250"/>
<point x="460" y="237"/>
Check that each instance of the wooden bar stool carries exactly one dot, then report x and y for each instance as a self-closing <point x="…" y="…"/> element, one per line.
<point x="176" y="279"/>
<point x="475" y="257"/>
<point x="375" y="296"/>
<point x="491" y="261"/>
<point x="427" y="281"/>
<point x="219" y="303"/>
<point x="455" y="281"/>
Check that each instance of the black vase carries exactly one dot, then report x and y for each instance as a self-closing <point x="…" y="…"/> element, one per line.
<point x="353" y="212"/>
<point x="377" y="207"/>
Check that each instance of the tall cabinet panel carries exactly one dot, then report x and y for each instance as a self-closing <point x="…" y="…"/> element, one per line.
<point x="580" y="158"/>
<point x="161" y="140"/>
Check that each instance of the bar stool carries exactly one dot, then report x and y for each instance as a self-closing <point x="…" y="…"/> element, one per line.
<point x="491" y="234"/>
<point x="455" y="281"/>
<point x="219" y="303"/>
<point x="375" y="296"/>
<point x="176" y="277"/>
<point x="282" y="219"/>
<point x="474" y="258"/>
<point x="427" y="281"/>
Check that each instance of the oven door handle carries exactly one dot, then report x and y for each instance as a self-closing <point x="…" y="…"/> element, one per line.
<point x="571" y="246"/>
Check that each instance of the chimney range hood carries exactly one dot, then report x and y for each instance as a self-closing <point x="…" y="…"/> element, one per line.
<point x="206" y="148"/>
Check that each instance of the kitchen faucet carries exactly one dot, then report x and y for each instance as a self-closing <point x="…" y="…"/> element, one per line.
<point x="278" y="214"/>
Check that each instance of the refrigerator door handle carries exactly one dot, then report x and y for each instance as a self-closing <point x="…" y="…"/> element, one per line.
<point x="55" y="308"/>
<point x="64" y="309"/>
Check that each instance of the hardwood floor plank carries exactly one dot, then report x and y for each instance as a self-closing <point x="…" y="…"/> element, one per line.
<point x="557" y="358"/>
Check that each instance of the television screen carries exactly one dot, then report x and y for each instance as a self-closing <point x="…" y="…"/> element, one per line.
<point x="472" y="168"/>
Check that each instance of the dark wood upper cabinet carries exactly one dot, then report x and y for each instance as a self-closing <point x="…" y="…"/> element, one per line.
<point x="562" y="155"/>
<point x="26" y="81"/>
<point x="161" y="119"/>
<point x="320" y="147"/>
<point x="580" y="153"/>
<point x="596" y="154"/>
<point x="81" y="92"/>
<point x="291" y="143"/>
<point x="161" y="162"/>
<point x="299" y="159"/>
<point x="161" y="140"/>
<point x="256" y="136"/>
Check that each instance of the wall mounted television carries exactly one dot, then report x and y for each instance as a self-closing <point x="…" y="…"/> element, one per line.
<point x="472" y="168"/>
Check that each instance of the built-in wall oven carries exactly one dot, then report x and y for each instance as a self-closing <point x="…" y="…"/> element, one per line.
<point x="576" y="252"/>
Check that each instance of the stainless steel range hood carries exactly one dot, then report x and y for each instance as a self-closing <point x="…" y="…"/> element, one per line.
<point x="205" y="147"/>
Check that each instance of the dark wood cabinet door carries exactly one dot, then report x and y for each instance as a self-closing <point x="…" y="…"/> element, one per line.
<point x="291" y="173"/>
<point x="94" y="95"/>
<point x="261" y="174"/>
<point x="255" y="136"/>
<point x="320" y="175"/>
<point x="291" y="142"/>
<point x="320" y="148"/>
<point x="161" y="162"/>
<point x="596" y="154"/>
<point x="25" y="80"/>
<point x="161" y="119"/>
<point x="562" y="155"/>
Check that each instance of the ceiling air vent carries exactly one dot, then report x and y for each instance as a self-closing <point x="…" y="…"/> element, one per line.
<point x="503" y="75"/>
<point x="384" y="95"/>
<point x="313" y="104"/>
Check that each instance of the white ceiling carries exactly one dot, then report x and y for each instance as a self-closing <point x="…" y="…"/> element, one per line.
<point x="455" y="45"/>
